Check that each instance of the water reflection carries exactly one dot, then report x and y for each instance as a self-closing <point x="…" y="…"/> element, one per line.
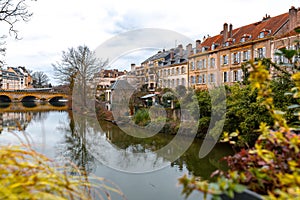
<point x="190" y="159"/>
<point x="73" y="147"/>
<point x="17" y="116"/>
<point x="84" y="144"/>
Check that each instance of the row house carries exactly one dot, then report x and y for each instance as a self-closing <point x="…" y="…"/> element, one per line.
<point x="218" y="59"/>
<point x="15" y="78"/>
<point x="166" y="69"/>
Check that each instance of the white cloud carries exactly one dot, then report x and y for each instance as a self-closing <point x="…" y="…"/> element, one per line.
<point x="57" y="25"/>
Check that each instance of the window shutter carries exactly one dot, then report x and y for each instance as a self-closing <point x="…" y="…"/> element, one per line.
<point x="208" y="62"/>
<point x="227" y="76"/>
<point x="264" y="51"/>
<point x="232" y="56"/>
<point x="255" y="53"/>
<point x="249" y="54"/>
<point x="227" y="57"/>
<point x="242" y="56"/>
<point x="239" y="57"/>
<point x="221" y="60"/>
<point x="239" y="78"/>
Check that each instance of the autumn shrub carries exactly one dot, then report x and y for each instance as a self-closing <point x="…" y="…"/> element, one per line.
<point x="27" y="174"/>
<point x="272" y="166"/>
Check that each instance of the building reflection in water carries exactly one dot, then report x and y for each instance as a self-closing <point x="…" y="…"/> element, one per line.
<point x="14" y="121"/>
<point x="17" y="116"/>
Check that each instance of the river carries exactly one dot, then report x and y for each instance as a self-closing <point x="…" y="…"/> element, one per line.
<point x="56" y="132"/>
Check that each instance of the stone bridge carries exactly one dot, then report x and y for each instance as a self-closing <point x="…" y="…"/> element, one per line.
<point x="29" y="96"/>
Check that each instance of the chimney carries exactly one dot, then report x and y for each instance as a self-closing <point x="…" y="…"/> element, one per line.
<point x="225" y="32"/>
<point x="230" y="31"/>
<point x="171" y="54"/>
<point x="198" y="44"/>
<point x="292" y="18"/>
<point x="189" y="49"/>
<point x="132" y="67"/>
<point x="180" y="47"/>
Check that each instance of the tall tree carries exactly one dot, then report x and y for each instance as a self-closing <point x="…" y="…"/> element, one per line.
<point x="40" y="79"/>
<point x="78" y="65"/>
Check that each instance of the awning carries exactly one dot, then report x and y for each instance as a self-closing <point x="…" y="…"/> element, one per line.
<point x="148" y="96"/>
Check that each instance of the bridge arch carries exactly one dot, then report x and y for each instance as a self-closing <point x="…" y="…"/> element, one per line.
<point x="5" y="99"/>
<point x="56" y="98"/>
<point x="29" y="98"/>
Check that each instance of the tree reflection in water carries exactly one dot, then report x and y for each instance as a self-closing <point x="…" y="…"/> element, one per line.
<point x="82" y="140"/>
<point x="73" y="148"/>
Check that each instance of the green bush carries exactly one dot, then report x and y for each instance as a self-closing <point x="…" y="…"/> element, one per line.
<point x="142" y="117"/>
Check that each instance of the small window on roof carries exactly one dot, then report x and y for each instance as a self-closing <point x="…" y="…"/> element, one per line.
<point x="264" y="33"/>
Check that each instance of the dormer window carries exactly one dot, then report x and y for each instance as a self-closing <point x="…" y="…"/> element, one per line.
<point x="204" y="49"/>
<point x="245" y="37"/>
<point x="229" y="42"/>
<point x="264" y="33"/>
<point x="214" y="46"/>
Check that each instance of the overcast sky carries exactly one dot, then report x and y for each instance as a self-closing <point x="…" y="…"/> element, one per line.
<point x="59" y="24"/>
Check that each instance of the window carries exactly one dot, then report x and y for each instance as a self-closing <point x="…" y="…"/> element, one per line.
<point x="261" y="34"/>
<point x="235" y="58"/>
<point x="199" y="64"/>
<point x="225" y="77"/>
<point x="204" y="63"/>
<point x="168" y="71"/>
<point x="182" y="81"/>
<point x="172" y="71"/>
<point x="177" y="70"/>
<point x="192" y="66"/>
<point x="177" y="82"/>
<point x="200" y="79"/>
<point x="192" y="79"/>
<point x="235" y="76"/>
<point x="246" y="55"/>
<point x="224" y="59"/>
<point x="261" y="52"/>
<point x="204" y="78"/>
<point x="212" y="78"/>
<point x="182" y="70"/>
<point x="212" y="62"/>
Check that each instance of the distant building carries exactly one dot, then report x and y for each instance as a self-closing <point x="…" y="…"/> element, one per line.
<point x="15" y="78"/>
<point x="166" y="69"/>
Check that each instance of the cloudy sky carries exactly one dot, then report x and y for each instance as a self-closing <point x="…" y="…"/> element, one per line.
<point x="59" y="24"/>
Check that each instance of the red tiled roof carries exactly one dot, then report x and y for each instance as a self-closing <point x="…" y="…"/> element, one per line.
<point x="272" y="24"/>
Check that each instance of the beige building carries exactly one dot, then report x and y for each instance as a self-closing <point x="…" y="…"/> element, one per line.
<point x="166" y="69"/>
<point x="15" y="78"/>
<point x="218" y="59"/>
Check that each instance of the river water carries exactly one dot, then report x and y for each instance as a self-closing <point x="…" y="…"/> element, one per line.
<point x="53" y="131"/>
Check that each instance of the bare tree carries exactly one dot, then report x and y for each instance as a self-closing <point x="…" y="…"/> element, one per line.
<point x="79" y="65"/>
<point x="40" y="79"/>
<point x="12" y="11"/>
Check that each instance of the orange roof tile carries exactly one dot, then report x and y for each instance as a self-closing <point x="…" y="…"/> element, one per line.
<point x="272" y="24"/>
